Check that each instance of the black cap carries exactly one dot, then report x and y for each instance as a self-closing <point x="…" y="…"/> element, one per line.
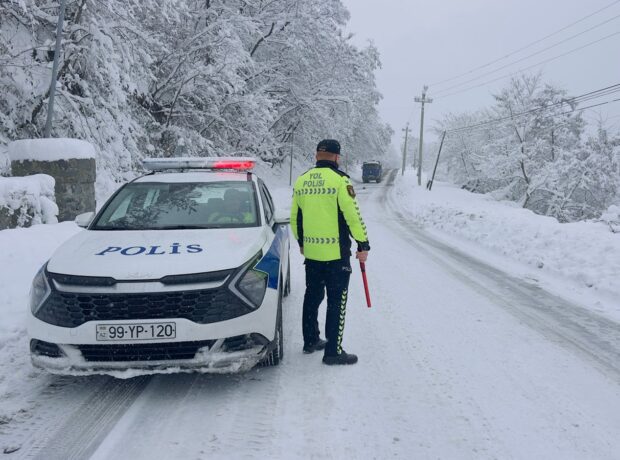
<point x="329" y="145"/>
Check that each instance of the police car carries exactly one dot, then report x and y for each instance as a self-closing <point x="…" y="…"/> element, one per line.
<point x="184" y="269"/>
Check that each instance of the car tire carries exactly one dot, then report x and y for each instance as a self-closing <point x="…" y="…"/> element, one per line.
<point x="276" y="355"/>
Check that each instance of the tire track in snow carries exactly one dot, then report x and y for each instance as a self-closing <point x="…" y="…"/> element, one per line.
<point x="72" y="417"/>
<point x="436" y="388"/>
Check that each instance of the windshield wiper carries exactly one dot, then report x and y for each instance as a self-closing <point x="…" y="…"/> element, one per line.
<point x="182" y="227"/>
<point x="166" y="227"/>
<point x="103" y="227"/>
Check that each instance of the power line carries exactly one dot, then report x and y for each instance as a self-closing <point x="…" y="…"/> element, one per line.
<point x="577" y="99"/>
<point x="479" y="126"/>
<point x="525" y="46"/>
<point x="459" y="130"/>
<point x="528" y="67"/>
<point x="528" y="56"/>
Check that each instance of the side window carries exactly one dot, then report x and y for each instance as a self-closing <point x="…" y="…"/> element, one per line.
<point x="269" y="199"/>
<point x="267" y="202"/>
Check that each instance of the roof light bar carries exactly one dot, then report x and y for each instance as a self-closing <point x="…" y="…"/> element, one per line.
<point x="230" y="163"/>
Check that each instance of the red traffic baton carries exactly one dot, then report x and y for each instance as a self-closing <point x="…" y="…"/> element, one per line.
<point x="363" y="269"/>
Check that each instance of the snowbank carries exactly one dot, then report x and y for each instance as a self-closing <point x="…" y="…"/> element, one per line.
<point x="50" y="150"/>
<point x="26" y="201"/>
<point x="24" y="251"/>
<point x="587" y="253"/>
<point x="611" y="217"/>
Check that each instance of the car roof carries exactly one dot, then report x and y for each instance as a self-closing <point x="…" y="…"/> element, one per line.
<point x="197" y="176"/>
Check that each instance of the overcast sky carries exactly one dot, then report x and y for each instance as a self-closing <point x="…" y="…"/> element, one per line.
<point x="424" y="42"/>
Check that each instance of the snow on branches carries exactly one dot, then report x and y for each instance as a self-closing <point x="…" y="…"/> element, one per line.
<point x="202" y="77"/>
<point x="541" y="154"/>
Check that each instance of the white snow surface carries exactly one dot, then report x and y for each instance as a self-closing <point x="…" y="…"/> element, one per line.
<point x="31" y="194"/>
<point x="585" y="254"/>
<point x="52" y="149"/>
<point x="451" y="365"/>
<point x="22" y="252"/>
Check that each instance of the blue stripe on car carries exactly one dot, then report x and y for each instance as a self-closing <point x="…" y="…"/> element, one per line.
<point x="270" y="263"/>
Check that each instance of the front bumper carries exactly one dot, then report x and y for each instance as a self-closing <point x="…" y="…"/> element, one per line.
<point x="213" y="356"/>
<point x="162" y="358"/>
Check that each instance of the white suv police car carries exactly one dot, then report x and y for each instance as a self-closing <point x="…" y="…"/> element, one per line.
<point x="184" y="268"/>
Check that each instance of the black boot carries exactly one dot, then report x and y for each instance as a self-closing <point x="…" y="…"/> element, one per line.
<point x="342" y="358"/>
<point x="316" y="346"/>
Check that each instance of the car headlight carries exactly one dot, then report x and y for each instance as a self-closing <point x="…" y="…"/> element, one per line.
<point x="39" y="290"/>
<point x="250" y="285"/>
<point x="253" y="285"/>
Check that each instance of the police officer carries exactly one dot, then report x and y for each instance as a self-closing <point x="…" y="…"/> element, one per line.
<point x="324" y="215"/>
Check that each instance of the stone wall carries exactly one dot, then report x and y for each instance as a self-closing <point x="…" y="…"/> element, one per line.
<point x="75" y="182"/>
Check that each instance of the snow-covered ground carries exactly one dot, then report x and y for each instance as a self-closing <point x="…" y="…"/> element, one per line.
<point x="577" y="259"/>
<point x="457" y="358"/>
<point x="22" y="252"/>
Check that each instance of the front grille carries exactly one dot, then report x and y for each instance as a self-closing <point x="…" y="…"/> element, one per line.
<point x="68" y="309"/>
<point x="142" y="352"/>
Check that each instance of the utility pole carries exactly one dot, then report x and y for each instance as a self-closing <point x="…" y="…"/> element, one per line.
<point x="290" y="173"/>
<point x="50" y="105"/>
<point x="423" y="100"/>
<point x="429" y="184"/>
<point x="406" y="130"/>
<point x="346" y="152"/>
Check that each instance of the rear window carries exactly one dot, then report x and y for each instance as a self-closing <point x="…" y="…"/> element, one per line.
<point x="164" y="206"/>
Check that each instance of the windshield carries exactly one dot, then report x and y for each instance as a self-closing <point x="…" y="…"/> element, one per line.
<point x="166" y="206"/>
<point x="372" y="167"/>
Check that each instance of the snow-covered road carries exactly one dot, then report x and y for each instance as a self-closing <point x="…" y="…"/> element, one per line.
<point x="457" y="360"/>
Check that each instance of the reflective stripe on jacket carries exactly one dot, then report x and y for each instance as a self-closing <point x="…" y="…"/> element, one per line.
<point x="325" y="214"/>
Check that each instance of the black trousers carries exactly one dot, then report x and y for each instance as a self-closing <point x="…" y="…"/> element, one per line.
<point x="333" y="277"/>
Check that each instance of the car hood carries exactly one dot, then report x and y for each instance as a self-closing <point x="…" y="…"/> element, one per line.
<point x="152" y="254"/>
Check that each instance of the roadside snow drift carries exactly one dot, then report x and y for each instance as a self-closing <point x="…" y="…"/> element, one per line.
<point x="588" y="253"/>
<point x="30" y="198"/>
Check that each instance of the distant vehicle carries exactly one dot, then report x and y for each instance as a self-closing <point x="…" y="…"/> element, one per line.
<point x="372" y="170"/>
<point x="182" y="269"/>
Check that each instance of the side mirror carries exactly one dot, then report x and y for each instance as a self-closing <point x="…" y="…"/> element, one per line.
<point x="84" y="220"/>
<point x="282" y="218"/>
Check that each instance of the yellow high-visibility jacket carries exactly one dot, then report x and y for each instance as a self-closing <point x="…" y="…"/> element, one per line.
<point x="325" y="214"/>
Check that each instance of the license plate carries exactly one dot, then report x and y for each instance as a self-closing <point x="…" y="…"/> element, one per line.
<point x="136" y="331"/>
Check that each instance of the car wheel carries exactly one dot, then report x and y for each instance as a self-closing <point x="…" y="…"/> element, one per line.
<point x="274" y="357"/>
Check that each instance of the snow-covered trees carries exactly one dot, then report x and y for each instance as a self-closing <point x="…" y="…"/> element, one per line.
<point x="207" y="77"/>
<point x="539" y="152"/>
